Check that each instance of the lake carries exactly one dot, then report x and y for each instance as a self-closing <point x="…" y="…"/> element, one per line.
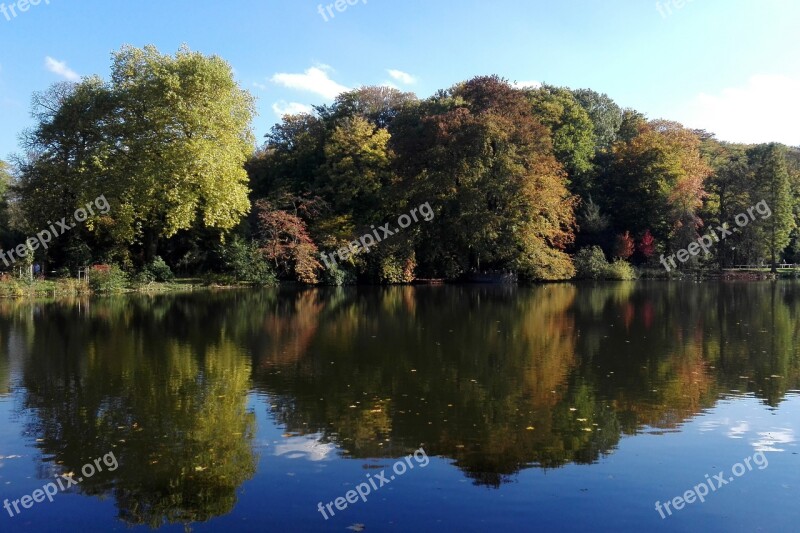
<point x="468" y="408"/>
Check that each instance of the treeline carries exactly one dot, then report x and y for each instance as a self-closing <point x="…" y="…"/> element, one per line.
<point x="549" y="183"/>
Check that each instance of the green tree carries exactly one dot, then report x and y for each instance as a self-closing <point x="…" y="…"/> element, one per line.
<point x="772" y="185"/>
<point x="186" y="123"/>
<point x="572" y="130"/>
<point x="605" y="114"/>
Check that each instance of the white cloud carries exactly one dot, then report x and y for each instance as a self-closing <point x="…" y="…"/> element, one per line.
<point x="402" y="77"/>
<point x="314" y="80"/>
<point x="763" y="110"/>
<point x="260" y="86"/>
<point x="282" y="108"/>
<point x="526" y="84"/>
<point x="309" y="447"/>
<point x="61" y="68"/>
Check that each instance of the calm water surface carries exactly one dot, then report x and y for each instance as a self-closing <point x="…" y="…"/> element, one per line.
<point x="561" y="407"/>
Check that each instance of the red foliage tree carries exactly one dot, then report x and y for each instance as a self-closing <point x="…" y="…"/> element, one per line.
<point x="647" y="246"/>
<point x="624" y="246"/>
<point x="286" y="243"/>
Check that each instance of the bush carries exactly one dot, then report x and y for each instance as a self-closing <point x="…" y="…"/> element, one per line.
<point x="395" y="270"/>
<point x="590" y="263"/>
<point x="245" y="262"/>
<point x="103" y="278"/>
<point x="620" y="270"/>
<point x="337" y="276"/>
<point x="158" y="270"/>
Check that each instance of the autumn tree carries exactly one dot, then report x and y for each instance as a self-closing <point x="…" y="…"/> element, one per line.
<point x="286" y="243"/>
<point x="647" y="245"/>
<point x="624" y="246"/>
<point x="655" y="181"/>
<point x="486" y="162"/>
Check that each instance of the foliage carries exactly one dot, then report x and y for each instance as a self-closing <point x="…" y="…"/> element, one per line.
<point x="158" y="270"/>
<point x="605" y="114"/>
<point x="188" y="124"/>
<point x="246" y="263"/>
<point x="285" y="242"/>
<point x="771" y="177"/>
<point x="625" y="246"/>
<point x="107" y="279"/>
<point x="590" y="263"/>
<point x="482" y="158"/>
<point x="655" y="181"/>
<point x="571" y="128"/>
<point x="620" y="270"/>
<point x="647" y="246"/>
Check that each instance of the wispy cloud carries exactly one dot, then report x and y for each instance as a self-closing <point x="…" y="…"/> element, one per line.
<point x="402" y="77"/>
<point x="314" y="80"/>
<point x="761" y="110"/>
<point x="60" y="68"/>
<point x="283" y="107"/>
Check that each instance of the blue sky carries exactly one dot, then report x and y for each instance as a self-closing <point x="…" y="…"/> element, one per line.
<point x="729" y="66"/>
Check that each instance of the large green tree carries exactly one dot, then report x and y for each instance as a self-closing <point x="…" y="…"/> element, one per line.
<point x="572" y="132"/>
<point x="165" y="140"/>
<point x="772" y="186"/>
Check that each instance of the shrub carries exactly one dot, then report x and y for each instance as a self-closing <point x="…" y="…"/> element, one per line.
<point x="246" y="263"/>
<point x="159" y="270"/>
<point x="590" y="263"/>
<point x="395" y="270"/>
<point x="105" y="278"/>
<point x="620" y="270"/>
<point x="337" y="276"/>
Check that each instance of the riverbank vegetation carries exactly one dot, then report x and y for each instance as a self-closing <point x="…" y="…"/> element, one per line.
<point x="546" y="182"/>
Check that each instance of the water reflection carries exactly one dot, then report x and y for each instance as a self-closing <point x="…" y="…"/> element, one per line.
<point x="495" y="379"/>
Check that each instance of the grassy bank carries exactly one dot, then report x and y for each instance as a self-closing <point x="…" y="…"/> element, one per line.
<point x="16" y="288"/>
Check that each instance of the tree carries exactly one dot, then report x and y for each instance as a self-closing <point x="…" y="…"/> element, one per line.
<point x="186" y="124"/>
<point x="572" y="131"/>
<point x="773" y="187"/>
<point x="485" y="161"/>
<point x="605" y="114"/>
<point x="378" y="105"/>
<point x="624" y="247"/>
<point x="286" y="243"/>
<point x="647" y="246"/>
<point x="165" y="141"/>
<point x="6" y="234"/>
<point x="357" y="167"/>
<point x="654" y="181"/>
